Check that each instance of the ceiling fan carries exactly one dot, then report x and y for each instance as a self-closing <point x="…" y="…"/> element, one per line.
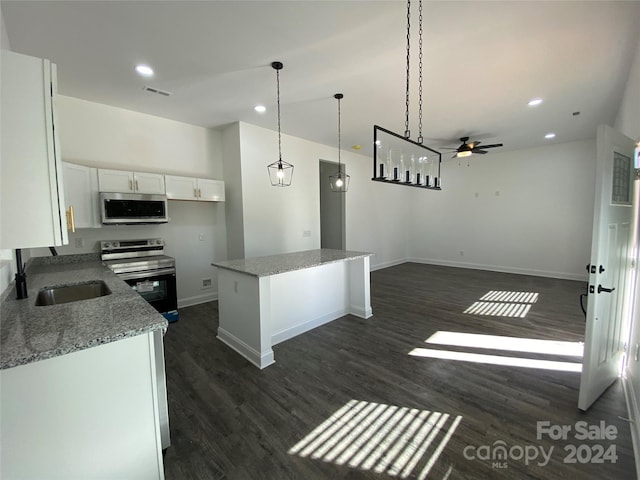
<point x="469" y="148"/>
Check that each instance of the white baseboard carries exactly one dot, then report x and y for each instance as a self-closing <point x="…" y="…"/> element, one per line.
<point x="296" y="330"/>
<point x="391" y="263"/>
<point x="633" y="410"/>
<point x="259" y="360"/>
<point x="198" y="299"/>
<point x="498" y="268"/>
<point x="360" y="312"/>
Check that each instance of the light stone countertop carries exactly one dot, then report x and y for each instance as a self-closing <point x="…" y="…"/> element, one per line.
<point x="30" y="333"/>
<point x="287" y="262"/>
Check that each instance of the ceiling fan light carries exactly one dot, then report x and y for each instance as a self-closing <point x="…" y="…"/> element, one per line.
<point x="464" y="153"/>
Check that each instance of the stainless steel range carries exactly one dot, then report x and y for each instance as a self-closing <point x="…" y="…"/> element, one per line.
<point x="144" y="266"/>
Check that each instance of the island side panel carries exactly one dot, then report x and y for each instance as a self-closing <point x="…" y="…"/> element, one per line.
<point x="360" y="287"/>
<point x="85" y="412"/>
<point x="305" y="299"/>
<point x="244" y="306"/>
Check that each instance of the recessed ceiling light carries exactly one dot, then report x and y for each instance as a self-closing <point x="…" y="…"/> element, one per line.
<point x="144" y="70"/>
<point x="550" y="135"/>
<point x="534" y="102"/>
<point x="260" y="108"/>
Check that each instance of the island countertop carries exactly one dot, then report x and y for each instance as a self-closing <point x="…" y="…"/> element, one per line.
<point x="287" y="262"/>
<point x="30" y="333"/>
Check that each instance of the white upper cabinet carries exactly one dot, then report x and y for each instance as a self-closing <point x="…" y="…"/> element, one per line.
<point x="122" y="181"/>
<point x="81" y="196"/>
<point x="31" y="187"/>
<point x="210" y="190"/>
<point x="190" y="188"/>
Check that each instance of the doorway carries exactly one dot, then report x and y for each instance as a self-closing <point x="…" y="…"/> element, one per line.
<point x="332" y="209"/>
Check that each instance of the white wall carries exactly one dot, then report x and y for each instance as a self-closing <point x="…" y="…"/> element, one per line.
<point x="628" y="119"/>
<point x="233" y="191"/>
<point x="103" y="136"/>
<point x="276" y="218"/>
<point x="527" y="211"/>
<point x="4" y="38"/>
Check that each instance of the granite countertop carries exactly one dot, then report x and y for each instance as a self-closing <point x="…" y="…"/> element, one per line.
<point x="287" y="262"/>
<point x="30" y="333"/>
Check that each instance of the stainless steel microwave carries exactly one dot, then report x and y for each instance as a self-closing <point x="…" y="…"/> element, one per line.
<point x="133" y="208"/>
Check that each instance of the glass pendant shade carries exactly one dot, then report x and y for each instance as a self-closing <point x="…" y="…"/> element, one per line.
<point x="280" y="173"/>
<point x="339" y="182"/>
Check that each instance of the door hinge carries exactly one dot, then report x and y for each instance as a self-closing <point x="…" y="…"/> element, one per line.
<point x="636" y="173"/>
<point x="625" y="347"/>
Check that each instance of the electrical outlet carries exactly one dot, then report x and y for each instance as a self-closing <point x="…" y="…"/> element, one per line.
<point x="306" y="233"/>
<point x="79" y="242"/>
<point x="206" y="283"/>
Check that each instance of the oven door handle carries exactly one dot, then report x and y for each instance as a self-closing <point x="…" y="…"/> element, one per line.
<point x="148" y="274"/>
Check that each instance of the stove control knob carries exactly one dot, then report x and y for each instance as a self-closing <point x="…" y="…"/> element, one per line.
<point x="107" y="244"/>
<point x="115" y="244"/>
<point x="159" y="242"/>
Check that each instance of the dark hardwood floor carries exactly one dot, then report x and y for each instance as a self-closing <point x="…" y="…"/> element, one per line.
<point x="347" y="400"/>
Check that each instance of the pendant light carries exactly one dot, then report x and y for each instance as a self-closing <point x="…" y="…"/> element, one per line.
<point x="339" y="180"/>
<point x="280" y="172"/>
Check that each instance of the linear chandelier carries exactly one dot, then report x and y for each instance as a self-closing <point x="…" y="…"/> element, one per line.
<point x="396" y="158"/>
<point x="280" y="172"/>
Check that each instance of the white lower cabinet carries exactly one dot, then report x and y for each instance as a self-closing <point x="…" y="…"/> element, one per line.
<point x="190" y="188"/>
<point x="81" y="195"/>
<point x="86" y="414"/>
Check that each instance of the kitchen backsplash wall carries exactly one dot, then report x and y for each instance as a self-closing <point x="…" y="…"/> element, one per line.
<point x="192" y="236"/>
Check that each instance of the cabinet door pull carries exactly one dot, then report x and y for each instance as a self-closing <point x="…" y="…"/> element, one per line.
<point x="195" y="193"/>
<point x="137" y="188"/>
<point x="199" y="193"/>
<point x="71" y="221"/>
<point x="130" y="184"/>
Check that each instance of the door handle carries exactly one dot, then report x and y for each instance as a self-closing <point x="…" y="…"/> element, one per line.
<point x="71" y="221"/>
<point x="602" y="289"/>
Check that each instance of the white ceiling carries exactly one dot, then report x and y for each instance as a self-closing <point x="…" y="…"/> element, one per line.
<point x="483" y="61"/>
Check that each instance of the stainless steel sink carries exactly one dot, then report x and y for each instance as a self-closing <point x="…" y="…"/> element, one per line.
<point x="72" y="293"/>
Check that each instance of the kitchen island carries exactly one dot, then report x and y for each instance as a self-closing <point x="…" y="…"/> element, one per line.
<point x="80" y="382"/>
<point x="263" y="301"/>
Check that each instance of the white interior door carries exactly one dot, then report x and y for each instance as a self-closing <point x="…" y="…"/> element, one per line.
<point x="609" y="281"/>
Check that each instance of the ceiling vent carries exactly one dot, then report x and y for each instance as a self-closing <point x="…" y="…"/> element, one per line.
<point x="147" y="88"/>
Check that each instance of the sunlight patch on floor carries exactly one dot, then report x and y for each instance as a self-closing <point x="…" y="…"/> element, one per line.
<point x="381" y="438"/>
<point x="505" y="296"/>
<point x="514" y="344"/>
<point x="501" y="303"/>
<point x="499" y="309"/>
<point x="497" y="360"/>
